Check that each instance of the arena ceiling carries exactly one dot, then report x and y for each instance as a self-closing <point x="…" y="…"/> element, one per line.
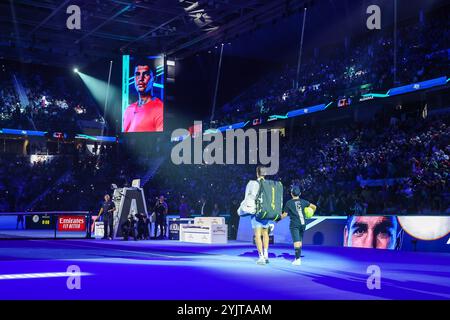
<point x="36" y="30"/>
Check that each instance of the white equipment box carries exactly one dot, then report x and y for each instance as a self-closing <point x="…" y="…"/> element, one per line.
<point x="205" y="230"/>
<point x="99" y="230"/>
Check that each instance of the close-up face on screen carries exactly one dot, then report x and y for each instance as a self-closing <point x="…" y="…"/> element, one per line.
<point x="235" y="158"/>
<point x="143" y="94"/>
<point x="371" y="232"/>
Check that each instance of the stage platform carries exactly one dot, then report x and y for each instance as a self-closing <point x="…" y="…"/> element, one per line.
<point x="163" y="269"/>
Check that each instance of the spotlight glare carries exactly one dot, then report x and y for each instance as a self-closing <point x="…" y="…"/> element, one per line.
<point x="75" y="70"/>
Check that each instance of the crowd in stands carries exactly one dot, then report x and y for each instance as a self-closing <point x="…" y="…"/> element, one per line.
<point x="70" y="182"/>
<point x="397" y="163"/>
<point x="35" y="99"/>
<point x="91" y="177"/>
<point x="21" y="181"/>
<point x="349" y="69"/>
<point x="400" y="164"/>
<point x="401" y="167"/>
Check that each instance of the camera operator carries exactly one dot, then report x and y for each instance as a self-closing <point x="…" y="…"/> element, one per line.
<point x="142" y="226"/>
<point x="128" y="228"/>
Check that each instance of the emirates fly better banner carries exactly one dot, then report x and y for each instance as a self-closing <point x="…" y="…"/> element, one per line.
<point x="71" y="223"/>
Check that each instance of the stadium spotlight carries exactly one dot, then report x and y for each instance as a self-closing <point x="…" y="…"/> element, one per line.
<point x="75" y="70"/>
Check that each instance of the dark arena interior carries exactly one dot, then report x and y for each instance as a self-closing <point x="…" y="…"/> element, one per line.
<point x="264" y="150"/>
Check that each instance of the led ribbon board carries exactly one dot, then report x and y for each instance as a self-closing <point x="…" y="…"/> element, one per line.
<point x="24" y="132"/>
<point x="418" y="86"/>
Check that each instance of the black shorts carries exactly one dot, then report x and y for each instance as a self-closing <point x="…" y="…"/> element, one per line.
<point x="297" y="233"/>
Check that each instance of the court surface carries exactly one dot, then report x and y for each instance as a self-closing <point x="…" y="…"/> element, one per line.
<point x="164" y="269"/>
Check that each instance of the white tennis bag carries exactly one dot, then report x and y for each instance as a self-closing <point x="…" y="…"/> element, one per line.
<point x="99" y="229"/>
<point x="248" y="205"/>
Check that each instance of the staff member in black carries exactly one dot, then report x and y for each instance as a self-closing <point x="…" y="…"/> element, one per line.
<point x="161" y="210"/>
<point x="107" y="210"/>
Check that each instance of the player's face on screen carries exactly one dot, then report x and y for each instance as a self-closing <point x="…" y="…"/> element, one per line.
<point x="371" y="232"/>
<point x="142" y="79"/>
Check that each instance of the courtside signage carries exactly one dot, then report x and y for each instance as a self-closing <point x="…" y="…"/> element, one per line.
<point x="71" y="223"/>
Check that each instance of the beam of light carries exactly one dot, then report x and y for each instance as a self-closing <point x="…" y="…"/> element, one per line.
<point x="16" y="29"/>
<point x="42" y="275"/>
<point x="98" y="89"/>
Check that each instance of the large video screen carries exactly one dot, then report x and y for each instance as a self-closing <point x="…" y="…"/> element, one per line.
<point x="396" y="232"/>
<point x="142" y="94"/>
<point x="389" y="232"/>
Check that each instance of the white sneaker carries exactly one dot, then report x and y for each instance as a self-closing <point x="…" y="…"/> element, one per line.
<point x="297" y="262"/>
<point x="261" y="261"/>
